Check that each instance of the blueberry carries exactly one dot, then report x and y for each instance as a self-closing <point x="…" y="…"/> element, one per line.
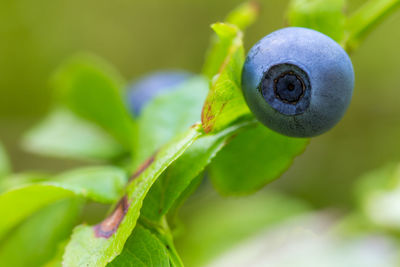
<point x="146" y="88"/>
<point x="298" y="82"/>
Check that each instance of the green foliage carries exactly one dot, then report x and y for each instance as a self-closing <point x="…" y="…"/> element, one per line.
<point x="225" y="102"/>
<point x="180" y="175"/>
<point x="87" y="249"/>
<point x="93" y="90"/>
<point x="17" y="179"/>
<point x="56" y="261"/>
<point x="142" y="249"/>
<point x="169" y="115"/>
<point x="4" y="163"/>
<point x="240" y="18"/>
<point x="254" y="158"/>
<point x="36" y="240"/>
<point x="92" y="122"/>
<point x="244" y="15"/>
<point x="365" y="19"/>
<point x="63" y="134"/>
<point x="325" y="16"/>
<point x="102" y="184"/>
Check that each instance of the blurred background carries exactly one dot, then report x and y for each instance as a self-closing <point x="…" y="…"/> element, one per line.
<point x="142" y="36"/>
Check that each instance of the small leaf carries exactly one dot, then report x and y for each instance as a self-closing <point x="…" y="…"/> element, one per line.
<point x="4" y="163"/>
<point x="325" y="16"/>
<point x="35" y="241"/>
<point x="169" y="115"/>
<point x="225" y="102"/>
<point x="142" y="249"/>
<point x="102" y="184"/>
<point x="93" y="90"/>
<point x="365" y="19"/>
<point x="219" y="224"/>
<point x="62" y="134"/>
<point x="244" y="15"/>
<point x="240" y="18"/>
<point x="254" y="158"/>
<point x="180" y="175"/>
<point x="100" y="244"/>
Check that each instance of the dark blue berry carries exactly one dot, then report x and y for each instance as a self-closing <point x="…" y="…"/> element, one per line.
<point x="146" y="88"/>
<point x="298" y="82"/>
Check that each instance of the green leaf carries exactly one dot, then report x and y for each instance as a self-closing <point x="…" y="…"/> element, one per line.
<point x="244" y="15"/>
<point x="221" y="223"/>
<point x="225" y="102"/>
<point x="365" y="19"/>
<point x="240" y="18"/>
<point x="378" y="194"/>
<point x="99" y="245"/>
<point x="35" y="241"/>
<point x="169" y="115"/>
<point x="325" y="16"/>
<point x="254" y="158"/>
<point x="180" y="175"/>
<point x="4" y="163"/>
<point x="17" y="179"/>
<point x="173" y="211"/>
<point x="56" y="261"/>
<point x="93" y="90"/>
<point x="144" y="249"/>
<point x="62" y="134"/>
<point x="102" y="184"/>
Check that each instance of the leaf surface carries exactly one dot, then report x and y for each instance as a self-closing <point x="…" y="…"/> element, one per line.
<point x="35" y="241"/>
<point x="254" y="158"/>
<point x="240" y="18"/>
<point x="93" y="90"/>
<point x="98" y="245"/>
<point x="102" y="184"/>
<point x="244" y="15"/>
<point x="225" y="102"/>
<point x="325" y="16"/>
<point x="167" y="191"/>
<point x="63" y="134"/>
<point x="365" y="19"/>
<point x="168" y="115"/>
<point x="142" y="249"/>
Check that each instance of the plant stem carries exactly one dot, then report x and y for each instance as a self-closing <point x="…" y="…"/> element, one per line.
<point x="162" y="231"/>
<point x="169" y="241"/>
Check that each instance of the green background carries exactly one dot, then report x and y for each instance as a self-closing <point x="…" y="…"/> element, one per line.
<point x="142" y="36"/>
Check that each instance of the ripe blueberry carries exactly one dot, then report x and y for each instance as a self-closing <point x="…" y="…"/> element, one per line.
<point x="145" y="89"/>
<point x="298" y="82"/>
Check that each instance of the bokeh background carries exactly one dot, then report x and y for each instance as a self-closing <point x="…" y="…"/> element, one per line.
<point x="142" y="36"/>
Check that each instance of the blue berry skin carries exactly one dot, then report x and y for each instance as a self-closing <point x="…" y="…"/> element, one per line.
<point x="298" y="82"/>
<point x="154" y="84"/>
